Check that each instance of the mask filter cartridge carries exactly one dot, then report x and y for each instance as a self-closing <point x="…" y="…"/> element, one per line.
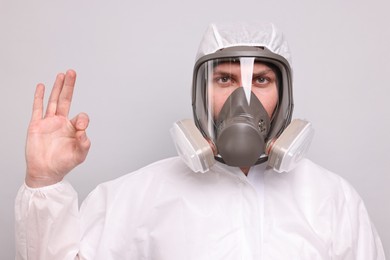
<point x="291" y="146"/>
<point x="191" y="146"/>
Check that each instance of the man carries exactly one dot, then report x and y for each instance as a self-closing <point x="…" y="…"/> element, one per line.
<point x="239" y="208"/>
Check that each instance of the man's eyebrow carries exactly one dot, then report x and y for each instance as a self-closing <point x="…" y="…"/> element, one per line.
<point x="263" y="72"/>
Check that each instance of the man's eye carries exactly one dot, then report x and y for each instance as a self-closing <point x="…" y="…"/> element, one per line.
<point x="223" y="80"/>
<point x="261" y="80"/>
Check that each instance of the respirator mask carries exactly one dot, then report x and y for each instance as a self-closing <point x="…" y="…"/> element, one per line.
<point x="242" y="106"/>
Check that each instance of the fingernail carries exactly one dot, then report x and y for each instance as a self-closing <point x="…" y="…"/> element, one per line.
<point x="81" y="125"/>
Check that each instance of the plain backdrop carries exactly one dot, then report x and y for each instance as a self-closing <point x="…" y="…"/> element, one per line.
<point x="134" y="62"/>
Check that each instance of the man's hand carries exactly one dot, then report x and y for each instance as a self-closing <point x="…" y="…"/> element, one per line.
<point x="55" y="145"/>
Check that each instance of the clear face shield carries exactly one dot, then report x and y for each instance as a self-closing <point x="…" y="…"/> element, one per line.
<point x="242" y="102"/>
<point x="237" y="98"/>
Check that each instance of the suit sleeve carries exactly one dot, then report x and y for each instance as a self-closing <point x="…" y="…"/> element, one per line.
<point x="355" y="236"/>
<point x="47" y="222"/>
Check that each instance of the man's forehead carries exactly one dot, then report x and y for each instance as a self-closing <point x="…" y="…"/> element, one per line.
<point x="237" y="65"/>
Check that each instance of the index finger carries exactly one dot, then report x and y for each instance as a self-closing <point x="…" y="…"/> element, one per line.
<point x="66" y="95"/>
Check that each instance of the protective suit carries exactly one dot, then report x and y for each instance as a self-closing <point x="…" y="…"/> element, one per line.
<point x="167" y="211"/>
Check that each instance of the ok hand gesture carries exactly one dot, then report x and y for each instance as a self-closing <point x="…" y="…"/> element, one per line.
<point x="55" y="145"/>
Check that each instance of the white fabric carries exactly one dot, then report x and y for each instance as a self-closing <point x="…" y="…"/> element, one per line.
<point x="165" y="211"/>
<point x="262" y="34"/>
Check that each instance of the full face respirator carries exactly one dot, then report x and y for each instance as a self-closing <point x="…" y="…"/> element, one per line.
<point x="236" y="121"/>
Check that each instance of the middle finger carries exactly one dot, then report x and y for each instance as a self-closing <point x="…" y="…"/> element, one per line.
<point x="55" y="93"/>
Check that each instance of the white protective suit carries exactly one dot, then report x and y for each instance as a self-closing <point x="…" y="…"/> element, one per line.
<point x="166" y="211"/>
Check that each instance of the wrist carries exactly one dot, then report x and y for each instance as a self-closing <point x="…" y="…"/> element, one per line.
<point x="41" y="181"/>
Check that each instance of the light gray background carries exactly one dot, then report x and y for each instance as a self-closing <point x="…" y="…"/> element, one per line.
<point x="134" y="60"/>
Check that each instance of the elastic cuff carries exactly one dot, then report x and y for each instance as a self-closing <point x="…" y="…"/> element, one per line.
<point x="49" y="187"/>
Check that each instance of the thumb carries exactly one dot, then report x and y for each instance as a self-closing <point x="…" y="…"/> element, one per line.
<point x="80" y="122"/>
<point x="82" y="146"/>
